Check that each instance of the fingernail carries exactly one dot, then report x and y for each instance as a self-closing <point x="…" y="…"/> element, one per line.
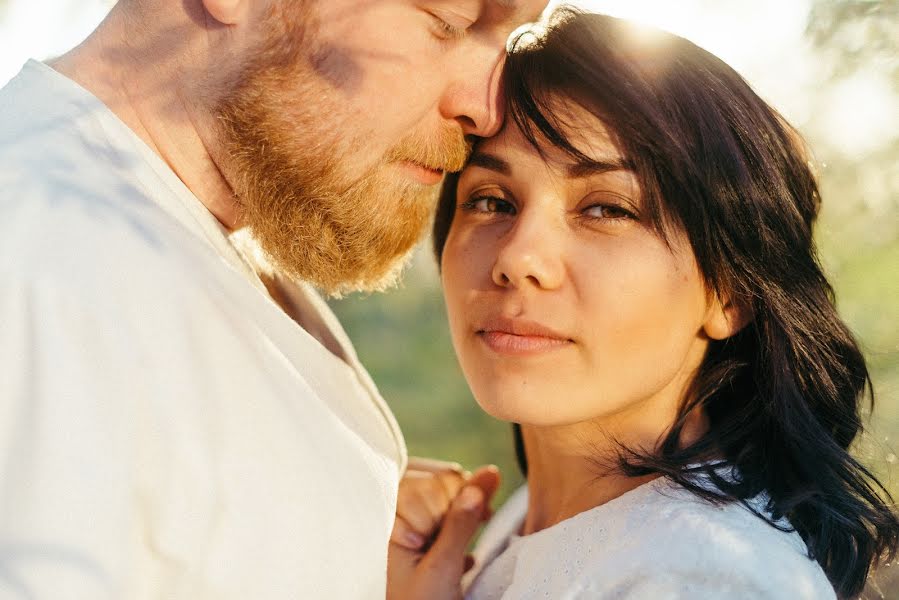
<point x="414" y="540"/>
<point x="470" y="498"/>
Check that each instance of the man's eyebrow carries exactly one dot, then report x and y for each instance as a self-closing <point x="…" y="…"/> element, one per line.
<point x="490" y="162"/>
<point x="598" y="167"/>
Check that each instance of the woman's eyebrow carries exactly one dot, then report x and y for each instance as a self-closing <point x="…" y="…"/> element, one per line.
<point x="490" y="162"/>
<point x="579" y="170"/>
<point x="598" y="167"/>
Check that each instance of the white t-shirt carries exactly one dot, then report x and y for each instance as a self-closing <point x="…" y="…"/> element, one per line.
<point x="656" y="542"/>
<point x="166" y="430"/>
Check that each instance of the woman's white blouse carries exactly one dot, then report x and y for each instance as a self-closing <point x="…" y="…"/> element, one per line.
<point x="657" y="541"/>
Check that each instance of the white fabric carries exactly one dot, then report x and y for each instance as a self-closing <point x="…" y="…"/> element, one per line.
<point x="166" y="430"/>
<point x="656" y="542"/>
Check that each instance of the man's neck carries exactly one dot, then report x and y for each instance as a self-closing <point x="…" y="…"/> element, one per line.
<point x="144" y="80"/>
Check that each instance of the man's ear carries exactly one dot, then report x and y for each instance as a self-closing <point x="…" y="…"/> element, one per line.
<point x="227" y="12"/>
<point x="726" y="317"/>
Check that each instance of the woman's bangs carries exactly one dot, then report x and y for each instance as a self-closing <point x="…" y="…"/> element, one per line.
<point x="539" y="81"/>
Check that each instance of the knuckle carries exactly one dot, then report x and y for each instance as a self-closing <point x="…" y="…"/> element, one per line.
<point x="435" y="487"/>
<point x="405" y="496"/>
<point x="452" y="482"/>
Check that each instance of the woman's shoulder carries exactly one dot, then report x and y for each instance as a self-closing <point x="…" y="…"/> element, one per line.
<point x="682" y="541"/>
<point x="661" y="540"/>
<point x="680" y="517"/>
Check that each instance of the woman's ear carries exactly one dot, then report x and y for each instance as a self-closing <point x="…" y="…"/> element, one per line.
<point x="227" y="12"/>
<point x="726" y="317"/>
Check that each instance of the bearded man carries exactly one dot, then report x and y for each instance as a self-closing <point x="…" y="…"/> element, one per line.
<point x="181" y="416"/>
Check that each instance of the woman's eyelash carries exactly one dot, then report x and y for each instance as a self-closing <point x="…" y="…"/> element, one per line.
<point x="617" y="212"/>
<point x="471" y="205"/>
<point x="490" y="204"/>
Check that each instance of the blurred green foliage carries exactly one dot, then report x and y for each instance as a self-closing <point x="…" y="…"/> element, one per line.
<point x="858" y="233"/>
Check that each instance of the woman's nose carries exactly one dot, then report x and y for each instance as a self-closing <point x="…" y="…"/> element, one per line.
<point x="530" y="255"/>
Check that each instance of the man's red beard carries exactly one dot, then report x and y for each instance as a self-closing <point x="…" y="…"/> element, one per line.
<point x="286" y="157"/>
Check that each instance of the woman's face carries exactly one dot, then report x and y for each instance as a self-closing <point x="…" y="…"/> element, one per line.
<point x="564" y="304"/>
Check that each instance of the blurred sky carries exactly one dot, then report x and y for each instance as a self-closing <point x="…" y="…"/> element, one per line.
<point x="741" y="32"/>
<point x="44" y="28"/>
<point x="763" y="39"/>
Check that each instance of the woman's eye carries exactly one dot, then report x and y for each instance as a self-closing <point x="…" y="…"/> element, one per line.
<point x="608" y="212"/>
<point x="488" y="204"/>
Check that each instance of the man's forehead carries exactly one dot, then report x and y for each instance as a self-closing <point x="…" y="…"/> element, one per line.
<point x="514" y="12"/>
<point x="520" y="11"/>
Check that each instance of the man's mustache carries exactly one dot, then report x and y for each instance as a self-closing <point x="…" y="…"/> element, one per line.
<point x="448" y="151"/>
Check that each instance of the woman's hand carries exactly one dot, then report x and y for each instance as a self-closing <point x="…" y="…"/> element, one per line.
<point x="439" y="508"/>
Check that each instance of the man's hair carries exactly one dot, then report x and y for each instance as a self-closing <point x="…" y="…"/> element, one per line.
<point x="783" y="395"/>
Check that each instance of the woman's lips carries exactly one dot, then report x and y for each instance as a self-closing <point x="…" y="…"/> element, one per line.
<point x="519" y="337"/>
<point x="503" y="342"/>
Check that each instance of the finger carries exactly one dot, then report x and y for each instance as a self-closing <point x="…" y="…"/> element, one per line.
<point x="458" y="528"/>
<point x="428" y="481"/>
<point x="432" y="465"/>
<point x="421" y="513"/>
<point x="422" y="500"/>
<point x="406" y="536"/>
<point x="402" y="564"/>
<point x="452" y="482"/>
<point x="486" y="478"/>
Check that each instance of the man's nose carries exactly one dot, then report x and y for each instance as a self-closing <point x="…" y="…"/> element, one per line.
<point x="529" y="255"/>
<point x="474" y="97"/>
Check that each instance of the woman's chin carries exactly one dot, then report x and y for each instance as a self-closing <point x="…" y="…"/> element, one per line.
<point x="501" y="411"/>
<point x="525" y="411"/>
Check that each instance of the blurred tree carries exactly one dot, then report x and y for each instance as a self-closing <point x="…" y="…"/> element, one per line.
<point x="856" y="33"/>
<point x="857" y="47"/>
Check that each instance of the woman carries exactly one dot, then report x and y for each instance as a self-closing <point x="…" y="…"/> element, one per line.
<point x="630" y="275"/>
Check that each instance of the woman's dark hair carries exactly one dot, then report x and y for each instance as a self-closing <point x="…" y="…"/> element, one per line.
<point x="783" y="396"/>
